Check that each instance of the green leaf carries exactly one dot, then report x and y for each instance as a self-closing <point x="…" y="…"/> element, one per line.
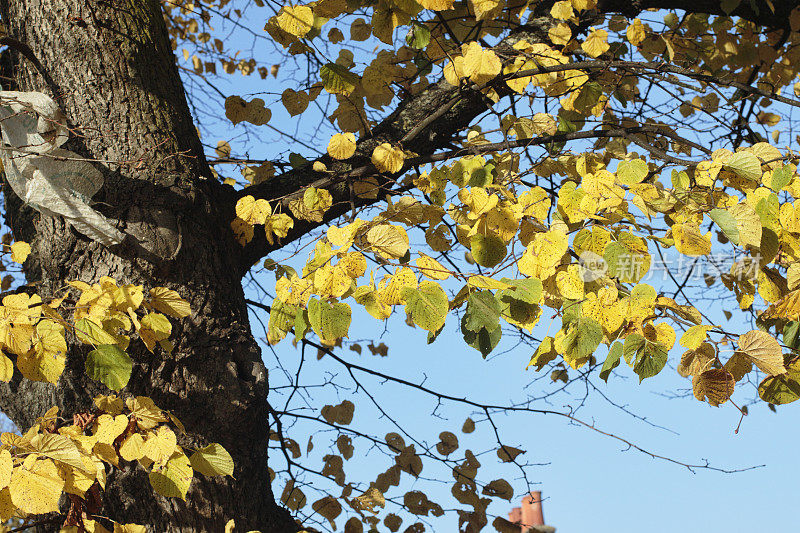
<point x="784" y="388"/>
<point x="484" y="341"/>
<point x="583" y="338"/>
<point x="213" y="460"/>
<point x="650" y="360"/>
<point x="726" y="222"/>
<point x="419" y="37"/>
<point x="522" y="290"/>
<point x="612" y="361"/>
<point x="632" y="345"/>
<point x="428" y="305"/>
<point x="781" y="178"/>
<point x="483" y="312"/>
<point x="109" y="365"/>
<point x="746" y="165"/>
<point x="330" y="321"/>
<point x="487" y="250"/>
<point x="791" y="334"/>
<point x="337" y="79"/>
<point x="632" y="172"/>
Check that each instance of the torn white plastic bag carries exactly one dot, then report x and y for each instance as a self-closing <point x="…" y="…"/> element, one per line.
<point x="50" y="179"/>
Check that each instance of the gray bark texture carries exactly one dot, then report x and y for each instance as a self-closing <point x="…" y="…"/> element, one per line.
<point x="111" y="68"/>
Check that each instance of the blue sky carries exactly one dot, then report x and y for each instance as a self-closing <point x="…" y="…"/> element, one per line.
<point x="591" y="482"/>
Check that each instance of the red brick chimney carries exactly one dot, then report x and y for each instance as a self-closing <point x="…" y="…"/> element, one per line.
<point x="530" y="516"/>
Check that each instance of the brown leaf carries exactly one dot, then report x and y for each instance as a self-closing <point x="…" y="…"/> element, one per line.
<point x="715" y="385"/>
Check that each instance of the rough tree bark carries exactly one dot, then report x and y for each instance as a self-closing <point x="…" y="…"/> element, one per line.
<point x="110" y="66"/>
<point x="112" y="70"/>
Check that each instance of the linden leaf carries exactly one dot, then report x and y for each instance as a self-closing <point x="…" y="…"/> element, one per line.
<point x="169" y="302"/>
<point x="427" y="304"/>
<point x="715" y="385"/>
<point x="726" y="222"/>
<point x="782" y="389"/>
<point x="295" y="102"/>
<point x="480" y="65"/>
<point x="388" y="241"/>
<point x="36" y="486"/>
<point x="20" y="251"/>
<point x="387" y="158"/>
<point x="635" y="32"/>
<point x="499" y="488"/>
<point x="689" y="241"/>
<point x="337" y="79"/>
<point x="694" y="336"/>
<point x="596" y="43"/>
<point x="745" y="165"/>
<point x="342" y="146"/>
<point x="632" y="172"/>
<point x="612" y="361"/>
<point x="432" y="268"/>
<point x="763" y="350"/>
<point x="253" y="211"/>
<point x="237" y="110"/>
<point x="330" y="321"/>
<point x="213" y="460"/>
<point x="109" y="365"/>
<point x="173" y="480"/>
<point x="487" y="250"/>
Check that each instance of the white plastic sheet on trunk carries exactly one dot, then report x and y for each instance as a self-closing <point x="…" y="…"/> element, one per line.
<point x="50" y="179"/>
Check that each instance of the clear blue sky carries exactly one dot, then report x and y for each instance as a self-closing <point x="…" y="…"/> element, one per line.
<point x="591" y="482"/>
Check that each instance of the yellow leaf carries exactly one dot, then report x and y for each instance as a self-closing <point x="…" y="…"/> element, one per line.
<point x="387" y="158"/>
<point x="160" y="445"/>
<point x="560" y="34"/>
<point x="486" y="9"/>
<point x="480" y="65"/>
<point x="689" y="240"/>
<point x="313" y="204"/>
<point x="174" y="479"/>
<point x="763" y="350"/>
<point x="388" y="241"/>
<point x="20" y="251"/>
<point x="110" y="427"/>
<point x="694" y="336"/>
<point x="6" y="368"/>
<point x="36" y="486"/>
<point x="145" y="411"/>
<point x="155" y="327"/>
<point x="436" y="5"/>
<point x="596" y="43"/>
<point x="342" y="145"/>
<point x="131" y="448"/>
<point x="561" y="10"/>
<point x="131" y="528"/>
<point x="213" y="460"/>
<point x="432" y="268"/>
<point x="278" y="226"/>
<point x="295" y="20"/>
<point x="253" y="211"/>
<point x="570" y="283"/>
<point x="169" y="302"/>
<point x="6" y="467"/>
<point x="635" y="32"/>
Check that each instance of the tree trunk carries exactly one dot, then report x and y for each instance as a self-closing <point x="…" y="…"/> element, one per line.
<point x="111" y="68"/>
